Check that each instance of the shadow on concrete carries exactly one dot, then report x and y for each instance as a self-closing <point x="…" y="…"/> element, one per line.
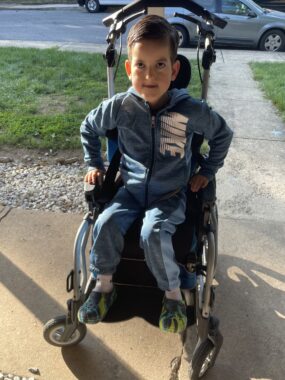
<point x="85" y="363"/>
<point x="136" y="302"/>
<point x="250" y="304"/>
<point x="88" y="361"/>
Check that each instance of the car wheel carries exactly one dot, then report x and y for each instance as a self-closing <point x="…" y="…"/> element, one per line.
<point x="92" y="6"/>
<point x="273" y="40"/>
<point x="183" y="36"/>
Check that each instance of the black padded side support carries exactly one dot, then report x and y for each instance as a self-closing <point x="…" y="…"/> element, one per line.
<point x="184" y="75"/>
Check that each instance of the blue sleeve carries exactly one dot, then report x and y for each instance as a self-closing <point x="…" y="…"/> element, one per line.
<point x="219" y="136"/>
<point x="95" y="125"/>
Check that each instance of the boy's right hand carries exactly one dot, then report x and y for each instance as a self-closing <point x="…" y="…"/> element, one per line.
<point x="94" y="177"/>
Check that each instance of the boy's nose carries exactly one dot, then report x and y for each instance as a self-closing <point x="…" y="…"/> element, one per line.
<point x="149" y="73"/>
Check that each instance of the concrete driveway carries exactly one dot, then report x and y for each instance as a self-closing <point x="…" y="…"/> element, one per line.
<point x="36" y="254"/>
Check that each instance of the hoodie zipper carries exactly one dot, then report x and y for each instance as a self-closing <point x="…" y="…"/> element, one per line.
<point x="153" y="122"/>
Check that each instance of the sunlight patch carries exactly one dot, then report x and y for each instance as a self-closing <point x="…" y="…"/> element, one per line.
<point x="276" y="284"/>
<point x="282" y="316"/>
<point x="235" y="273"/>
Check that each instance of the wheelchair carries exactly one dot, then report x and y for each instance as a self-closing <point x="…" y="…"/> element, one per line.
<point x="195" y="244"/>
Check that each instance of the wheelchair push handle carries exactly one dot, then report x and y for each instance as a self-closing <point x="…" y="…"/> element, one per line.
<point x="141" y="5"/>
<point x="119" y="27"/>
<point x="204" y="28"/>
<point x="208" y="58"/>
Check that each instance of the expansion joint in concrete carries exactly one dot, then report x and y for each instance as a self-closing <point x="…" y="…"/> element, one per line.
<point x="4" y="211"/>
<point x="175" y="364"/>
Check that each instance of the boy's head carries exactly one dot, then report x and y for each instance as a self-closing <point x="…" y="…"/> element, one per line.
<point x="151" y="63"/>
<point x="154" y="28"/>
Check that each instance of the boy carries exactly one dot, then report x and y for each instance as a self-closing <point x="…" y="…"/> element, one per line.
<point x="155" y="129"/>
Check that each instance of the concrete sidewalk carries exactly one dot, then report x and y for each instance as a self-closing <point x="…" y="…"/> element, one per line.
<point x="36" y="254"/>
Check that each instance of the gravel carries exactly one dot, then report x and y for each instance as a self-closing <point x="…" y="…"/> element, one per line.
<point x="10" y="376"/>
<point x="43" y="185"/>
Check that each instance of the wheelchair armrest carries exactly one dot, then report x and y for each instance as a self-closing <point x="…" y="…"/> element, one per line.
<point x="92" y="194"/>
<point x="98" y="196"/>
<point x="208" y="194"/>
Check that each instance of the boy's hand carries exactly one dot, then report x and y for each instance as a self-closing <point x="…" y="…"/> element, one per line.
<point x="198" y="182"/>
<point x="94" y="177"/>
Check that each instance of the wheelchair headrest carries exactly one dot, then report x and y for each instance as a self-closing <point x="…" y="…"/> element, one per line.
<point x="184" y="75"/>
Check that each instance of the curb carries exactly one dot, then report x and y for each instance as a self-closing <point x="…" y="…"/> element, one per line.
<point x="35" y="7"/>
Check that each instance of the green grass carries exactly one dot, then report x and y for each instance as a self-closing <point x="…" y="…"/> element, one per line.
<point x="45" y="95"/>
<point x="271" y="78"/>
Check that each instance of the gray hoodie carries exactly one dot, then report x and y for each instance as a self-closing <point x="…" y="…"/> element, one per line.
<point x="156" y="149"/>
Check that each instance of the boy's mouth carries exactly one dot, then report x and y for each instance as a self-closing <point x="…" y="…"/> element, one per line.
<point x="150" y="86"/>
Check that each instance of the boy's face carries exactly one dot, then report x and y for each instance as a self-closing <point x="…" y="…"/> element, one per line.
<point x="151" y="70"/>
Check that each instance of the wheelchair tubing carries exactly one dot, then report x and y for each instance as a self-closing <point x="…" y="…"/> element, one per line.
<point x="214" y="221"/>
<point x="209" y="259"/>
<point x="79" y="257"/>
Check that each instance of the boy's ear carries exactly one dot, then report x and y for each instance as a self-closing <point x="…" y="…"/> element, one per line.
<point x="128" y="68"/>
<point x="175" y="69"/>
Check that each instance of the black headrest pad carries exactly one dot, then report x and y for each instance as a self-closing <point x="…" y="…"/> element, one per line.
<point x="183" y="78"/>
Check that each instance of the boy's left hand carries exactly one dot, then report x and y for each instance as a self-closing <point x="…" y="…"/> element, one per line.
<point x="198" y="182"/>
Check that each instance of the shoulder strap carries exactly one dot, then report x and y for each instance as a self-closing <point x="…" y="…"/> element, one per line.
<point x="112" y="170"/>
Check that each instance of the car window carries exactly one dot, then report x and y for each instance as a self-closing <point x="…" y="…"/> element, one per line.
<point x="208" y="4"/>
<point x="234" y="7"/>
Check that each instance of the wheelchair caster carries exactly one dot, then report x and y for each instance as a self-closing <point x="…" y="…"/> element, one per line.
<point x="59" y="333"/>
<point x="205" y="356"/>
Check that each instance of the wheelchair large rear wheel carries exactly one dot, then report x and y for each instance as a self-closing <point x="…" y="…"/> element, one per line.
<point x="204" y="358"/>
<point x="54" y="329"/>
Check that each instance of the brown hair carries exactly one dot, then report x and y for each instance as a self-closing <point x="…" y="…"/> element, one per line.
<point x="152" y="27"/>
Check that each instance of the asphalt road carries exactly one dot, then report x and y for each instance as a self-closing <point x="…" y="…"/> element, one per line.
<point x="62" y="25"/>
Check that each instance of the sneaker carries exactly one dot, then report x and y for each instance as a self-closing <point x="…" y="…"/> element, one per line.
<point x="173" y="317"/>
<point x="96" y="307"/>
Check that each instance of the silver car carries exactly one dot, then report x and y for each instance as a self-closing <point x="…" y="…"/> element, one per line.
<point x="94" y="6"/>
<point x="249" y="25"/>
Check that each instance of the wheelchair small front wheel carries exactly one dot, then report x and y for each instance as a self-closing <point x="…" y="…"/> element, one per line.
<point x="203" y="359"/>
<point x="55" y="328"/>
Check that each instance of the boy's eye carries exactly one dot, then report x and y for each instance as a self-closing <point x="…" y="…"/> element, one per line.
<point x="161" y="65"/>
<point x="139" y="65"/>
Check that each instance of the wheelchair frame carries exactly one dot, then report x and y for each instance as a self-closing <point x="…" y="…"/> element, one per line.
<point x="66" y="330"/>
